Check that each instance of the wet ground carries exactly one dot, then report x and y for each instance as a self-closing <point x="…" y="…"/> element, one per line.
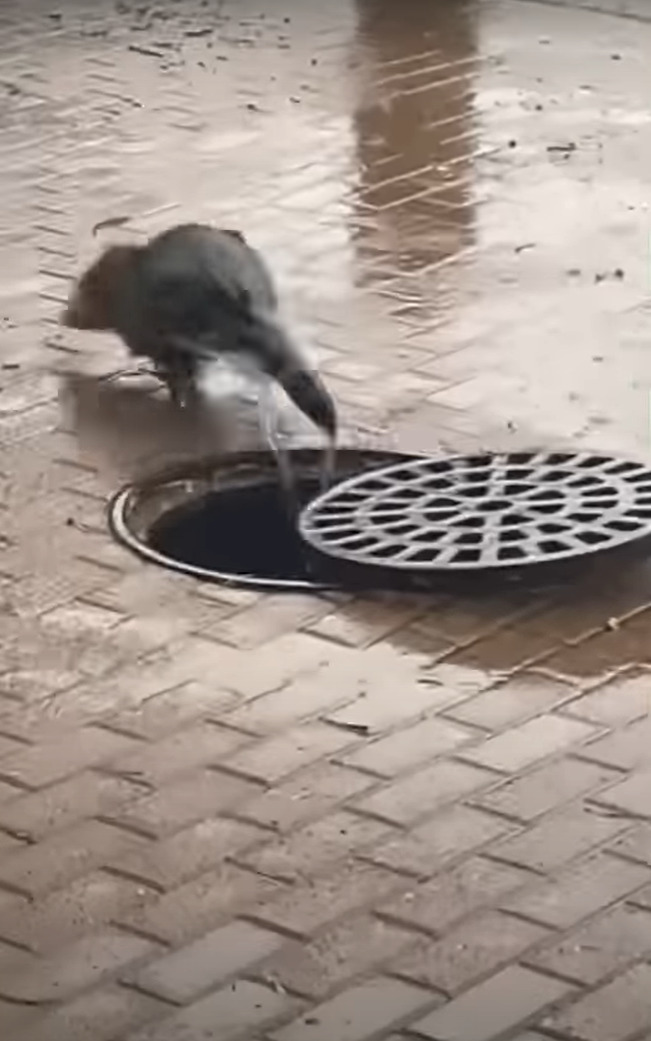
<point x="399" y="817"/>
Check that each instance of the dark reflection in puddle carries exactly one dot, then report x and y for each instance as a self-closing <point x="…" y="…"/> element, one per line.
<point x="415" y="138"/>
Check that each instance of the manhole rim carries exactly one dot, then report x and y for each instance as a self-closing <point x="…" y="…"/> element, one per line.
<point x="621" y="543"/>
<point x="128" y="495"/>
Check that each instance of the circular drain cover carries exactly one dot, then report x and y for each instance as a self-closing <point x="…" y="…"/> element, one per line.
<point x="478" y="512"/>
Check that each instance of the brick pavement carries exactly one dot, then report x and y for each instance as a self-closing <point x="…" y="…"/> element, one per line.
<point x="193" y="844"/>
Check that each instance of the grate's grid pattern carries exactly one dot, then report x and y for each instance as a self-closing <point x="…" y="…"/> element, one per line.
<point x="488" y="511"/>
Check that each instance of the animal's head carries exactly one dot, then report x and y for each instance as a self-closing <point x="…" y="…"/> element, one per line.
<point x="95" y="298"/>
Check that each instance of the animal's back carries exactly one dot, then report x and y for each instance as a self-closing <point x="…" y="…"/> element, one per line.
<point x="196" y="254"/>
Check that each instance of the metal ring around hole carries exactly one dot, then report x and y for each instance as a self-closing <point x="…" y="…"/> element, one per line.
<point x="210" y="474"/>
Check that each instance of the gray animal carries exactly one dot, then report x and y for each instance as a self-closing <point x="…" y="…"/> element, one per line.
<point x="192" y="294"/>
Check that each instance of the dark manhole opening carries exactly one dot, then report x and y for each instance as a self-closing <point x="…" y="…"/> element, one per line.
<point x="227" y="520"/>
<point x="246" y="532"/>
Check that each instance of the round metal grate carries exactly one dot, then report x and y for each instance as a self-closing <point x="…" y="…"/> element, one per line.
<point x="469" y="513"/>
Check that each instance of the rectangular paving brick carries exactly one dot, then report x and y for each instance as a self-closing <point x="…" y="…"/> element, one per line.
<point x="347" y="950"/>
<point x="305" y="796"/>
<point x="15" y="1020"/>
<point x="458" y="679"/>
<point x="543" y="736"/>
<point x="357" y="1013"/>
<point x="14" y="960"/>
<point x="190" y="909"/>
<point x="621" y="701"/>
<point x="518" y="644"/>
<point x="424" y="791"/>
<point x="238" y="1009"/>
<point x="65" y="803"/>
<point x="605" y="944"/>
<point x="193" y="659"/>
<point x="163" y="713"/>
<point x="636" y="844"/>
<point x="10" y="843"/>
<point x="490" y="1009"/>
<point x="580" y="890"/>
<point x="66" y="855"/>
<point x="463" y="621"/>
<point x="303" y="909"/>
<point x="426" y="848"/>
<point x="630" y="796"/>
<point x="9" y="791"/>
<point x="437" y="904"/>
<point x="171" y="861"/>
<point x="545" y="787"/>
<point x="306" y="697"/>
<point x="78" y="616"/>
<point x="182" y="802"/>
<point x="619" y="1010"/>
<point x="75" y="968"/>
<point x="47" y="924"/>
<point x="267" y="619"/>
<point x="479" y="946"/>
<point x="384" y="705"/>
<point x="183" y="975"/>
<point x="273" y="666"/>
<point x="105" y="1012"/>
<point x="9" y="746"/>
<point x="625" y="749"/>
<point x="311" y="849"/>
<point x="153" y="763"/>
<point x="527" y="694"/>
<point x="397" y="752"/>
<point x="363" y="622"/>
<point x="82" y="704"/>
<point x="642" y="899"/>
<point x="559" y="837"/>
<point x="63" y="756"/>
<point x="272" y="759"/>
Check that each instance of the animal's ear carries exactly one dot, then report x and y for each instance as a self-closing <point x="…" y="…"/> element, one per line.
<point x="234" y="234"/>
